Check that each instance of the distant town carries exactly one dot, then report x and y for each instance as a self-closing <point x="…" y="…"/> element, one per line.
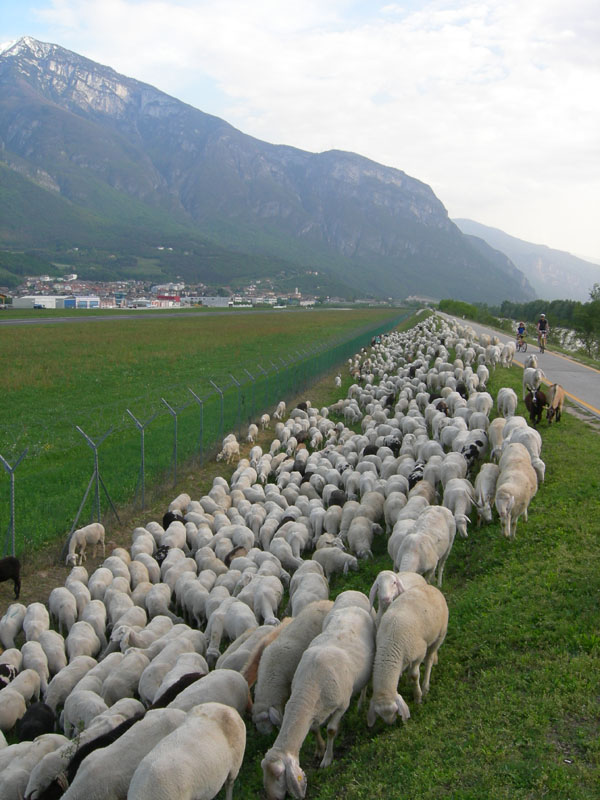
<point x="45" y="292"/>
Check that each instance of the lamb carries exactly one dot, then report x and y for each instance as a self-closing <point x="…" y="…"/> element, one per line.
<point x="411" y="632"/>
<point x="336" y="665"/>
<point x="203" y="754"/>
<point x="11" y="624"/>
<point x="556" y="399"/>
<point x="107" y="771"/>
<point x="334" y="560"/>
<point x="79" y="540"/>
<point x="426" y="548"/>
<point x="10" y="570"/>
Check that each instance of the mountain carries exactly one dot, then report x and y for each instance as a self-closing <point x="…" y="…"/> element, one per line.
<point x="109" y="176"/>
<point x="554" y="274"/>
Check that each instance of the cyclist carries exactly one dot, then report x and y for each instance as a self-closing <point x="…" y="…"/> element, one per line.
<point x="543" y="330"/>
<point x="521" y="331"/>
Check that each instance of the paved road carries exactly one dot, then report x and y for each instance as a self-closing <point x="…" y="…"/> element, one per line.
<point x="581" y="383"/>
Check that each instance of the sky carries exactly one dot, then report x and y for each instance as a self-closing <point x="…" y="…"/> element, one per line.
<point x="495" y="104"/>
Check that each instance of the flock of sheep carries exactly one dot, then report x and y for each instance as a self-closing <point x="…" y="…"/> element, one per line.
<point x="155" y="657"/>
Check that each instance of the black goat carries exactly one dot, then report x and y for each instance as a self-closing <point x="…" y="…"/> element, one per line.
<point x="535" y="402"/>
<point x="10" y="570"/>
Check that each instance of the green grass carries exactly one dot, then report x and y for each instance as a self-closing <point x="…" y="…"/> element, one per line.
<point x="513" y="708"/>
<point x="57" y="377"/>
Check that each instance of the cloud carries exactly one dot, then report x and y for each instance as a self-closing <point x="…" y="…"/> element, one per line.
<point x="492" y="103"/>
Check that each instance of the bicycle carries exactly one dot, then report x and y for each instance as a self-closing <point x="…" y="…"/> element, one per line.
<point x="521" y="344"/>
<point x="542" y="341"/>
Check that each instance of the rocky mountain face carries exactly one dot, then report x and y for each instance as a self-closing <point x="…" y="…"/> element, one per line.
<point x="554" y="274"/>
<point x="109" y="162"/>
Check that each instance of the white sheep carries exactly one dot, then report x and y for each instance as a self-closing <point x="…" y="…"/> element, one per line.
<point x="426" y="548"/>
<point x="517" y="484"/>
<point x="388" y="585"/>
<point x="15" y="776"/>
<point x="81" y="706"/>
<point x="336" y="665"/>
<point x="280" y="410"/>
<point x="92" y="534"/>
<point x="107" y="771"/>
<point x="506" y="402"/>
<point x="532" y="378"/>
<point x="485" y="491"/>
<point x="11" y="624"/>
<point x="202" y="755"/>
<point x="153" y="674"/>
<point x="35" y="621"/>
<point x="34" y="657"/>
<point x="82" y="641"/>
<point x="334" y="560"/>
<point x="63" y="609"/>
<point x="27" y="683"/>
<point x="459" y="497"/>
<point x="12" y="708"/>
<point x="275" y="665"/>
<point x="123" y="679"/>
<point x="65" y="681"/>
<point x="410" y="633"/>
<point x="221" y="686"/>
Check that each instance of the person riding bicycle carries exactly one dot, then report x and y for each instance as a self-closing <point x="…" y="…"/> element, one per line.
<point x="521" y="331"/>
<point x="542" y="328"/>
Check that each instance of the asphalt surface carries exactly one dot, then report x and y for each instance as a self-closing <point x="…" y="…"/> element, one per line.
<point x="580" y="382"/>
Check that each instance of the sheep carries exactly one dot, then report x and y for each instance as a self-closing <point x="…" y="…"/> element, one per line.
<point x="37" y="720"/>
<point x="265" y="421"/>
<point x="27" y="683"/>
<point x="64" y="682"/>
<point x="556" y="399"/>
<point x="82" y="595"/>
<point x="411" y="632"/>
<point x="221" y="686"/>
<point x="252" y="433"/>
<point x="81" y="706"/>
<point x="333" y="560"/>
<point x="203" y="754"/>
<point x="35" y="658"/>
<point x="35" y="621"/>
<point x="263" y="594"/>
<point x="107" y="771"/>
<point x="123" y="680"/>
<point x="516" y="486"/>
<point x="15" y="776"/>
<point x="231" y="618"/>
<point x="336" y="665"/>
<point x="92" y="534"/>
<point x="82" y="641"/>
<point x="10" y="570"/>
<point x="12" y="708"/>
<point x="459" y="497"/>
<point x="388" y="585"/>
<point x="426" y="548"/>
<point x="280" y="410"/>
<point x="11" y="624"/>
<point x="95" y="614"/>
<point x="230" y="451"/>
<point x="506" y="402"/>
<point x="485" y="491"/>
<point x="98" y="583"/>
<point x="62" y="606"/>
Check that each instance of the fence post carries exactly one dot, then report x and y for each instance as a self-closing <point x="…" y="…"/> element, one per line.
<point x="253" y="415"/>
<point x="10" y="531"/>
<point x="220" y="391"/>
<point x="201" y="435"/>
<point x="173" y="413"/>
<point x="238" y="384"/>
<point x="141" y="426"/>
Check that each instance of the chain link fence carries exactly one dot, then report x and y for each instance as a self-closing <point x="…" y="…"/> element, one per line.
<point x="121" y="455"/>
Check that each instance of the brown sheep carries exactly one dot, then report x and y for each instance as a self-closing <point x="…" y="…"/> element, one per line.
<point x="555" y="402"/>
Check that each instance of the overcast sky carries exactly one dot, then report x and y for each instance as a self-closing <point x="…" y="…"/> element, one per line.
<point x="494" y="104"/>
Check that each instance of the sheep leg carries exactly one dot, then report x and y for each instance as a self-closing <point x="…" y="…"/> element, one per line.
<point x="229" y="787"/>
<point x="430" y="659"/>
<point x="320" y="742"/>
<point x="332" y="729"/>
<point x="415" y="677"/>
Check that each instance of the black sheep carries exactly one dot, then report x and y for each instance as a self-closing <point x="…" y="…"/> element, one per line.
<point x="10" y="570"/>
<point x="38" y="719"/>
<point x="7" y="673"/>
<point x="171" y="516"/>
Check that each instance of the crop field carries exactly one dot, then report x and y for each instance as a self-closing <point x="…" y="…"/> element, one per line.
<point x="91" y="373"/>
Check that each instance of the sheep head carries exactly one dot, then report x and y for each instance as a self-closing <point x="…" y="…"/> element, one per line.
<point x="387" y="710"/>
<point x="282" y="775"/>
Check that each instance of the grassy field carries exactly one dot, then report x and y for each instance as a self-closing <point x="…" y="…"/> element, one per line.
<point x="88" y="374"/>
<point x="513" y="708"/>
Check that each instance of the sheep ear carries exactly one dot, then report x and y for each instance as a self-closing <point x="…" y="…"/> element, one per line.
<point x="295" y="778"/>
<point x="399" y="585"/>
<point x="373" y="594"/>
<point x="275" y="717"/>
<point x="371" y="715"/>
<point x="403" y="709"/>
